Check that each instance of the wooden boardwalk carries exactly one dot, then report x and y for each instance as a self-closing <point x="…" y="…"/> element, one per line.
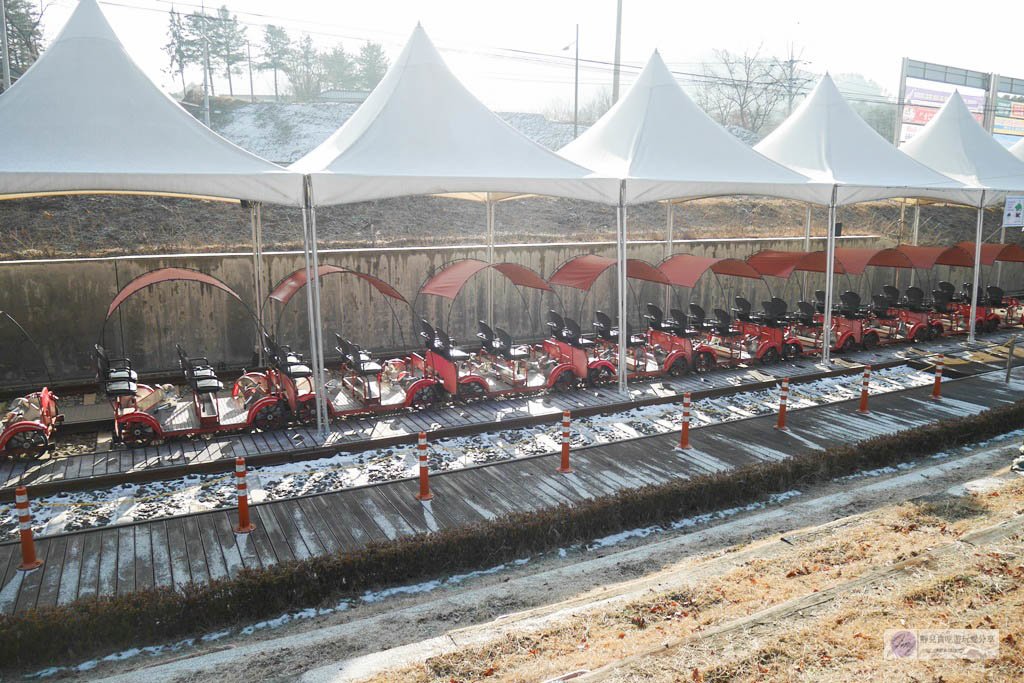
<point x="198" y="548"/>
<point x="106" y="468"/>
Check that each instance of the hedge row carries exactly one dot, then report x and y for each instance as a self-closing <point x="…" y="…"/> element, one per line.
<point x="83" y="629"/>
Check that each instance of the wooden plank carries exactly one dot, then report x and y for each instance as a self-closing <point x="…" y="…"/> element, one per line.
<point x="197" y="562"/>
<point x="286" y="527"/>
<point x="449" y="500"/>
<point x="494" y="489"/>
<point x="108" y="562"/>
<point x="88" y="575"/>
<point x="361" y="524"/>
<point x="260" y="541"/>
<point x="216" y="563"/>
<point x="238" y="553"/>
<point x="325" y="533"/>
<point x="177" y="550"/>
<point x="71" y="576"/>
<point x="342" y="533"/>
<point x="163" y="573"/>
<point x="292" y="517"/>
<point x="265" y="519"/>
<point x="485" y="503"/>
<point x="30" y="584"/>
<point x="125" y="560"/>
<point x="144" y="577"/>
<point x="53" y="572"/>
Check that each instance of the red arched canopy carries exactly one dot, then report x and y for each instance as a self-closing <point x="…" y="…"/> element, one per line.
<point x="684" y="270"/>
<point x="580" y="272"/>
<point x="164" y="275"/>
<point x="450" y="280"/>
<point x="856" y="260"/>
<point x="990" y="253"/>
<point x="929" y="257"/>
<point x="783" y="263"/>
<point x="297" y="280"/>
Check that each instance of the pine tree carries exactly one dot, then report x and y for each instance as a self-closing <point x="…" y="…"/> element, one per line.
<point x="277" y="48"/>
<point x="305" y="71"/>
<point x="371" y="65"/>
<point x="24" y="36"/>
<point x="200" y="32"/>
<point x="339" y="69"/>
<point x="228" y="43"/>
<point x="180" y="47"/>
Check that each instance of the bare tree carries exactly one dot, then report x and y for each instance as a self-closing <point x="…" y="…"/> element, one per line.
<point x="791" y="78"/>
<point x="741" y="90"/>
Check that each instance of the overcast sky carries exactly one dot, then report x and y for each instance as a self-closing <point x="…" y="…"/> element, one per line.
<point x="478" y="38"/>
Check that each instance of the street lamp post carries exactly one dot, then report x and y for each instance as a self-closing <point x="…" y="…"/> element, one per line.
<point x="576" y="86"/>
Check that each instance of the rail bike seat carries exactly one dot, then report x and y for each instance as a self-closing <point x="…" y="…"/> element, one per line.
<point x="294" y="365"/>
<point x="995" y="295"/>
<point x="941" y="301"/>
<point x="773" y="312"/>
<point x="680" y="323"/>
<point x="698" y="318"/>
<point x="806" y="315"/>
<point x="948" y="289"/>
<point x="915" y="300"/>
<point x="485" y="334"/>
<point x="849" y="305"/>
<point x="199" y="373"/>
<point x="723" y="324"/>
<point x="656" y="321"/>
<point x="355" y="359"/>
<point x="880" y="307"/>
<point x="603" y="325"/>
<point x="741" y="309"/>
<point x="503" y="346"/>
<point x="113" y="369"/>
<point x="556" y="324"/>
<point x="571" y="334"/>
<point x="428" y="335"/>
<point x="892" y="296"/>
<point x="446" y="347"/>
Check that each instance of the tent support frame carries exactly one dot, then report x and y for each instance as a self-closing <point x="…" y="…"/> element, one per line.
<point x="489" y="203"/>
<point x="256" y="219"/>
<point x="830" y="263"/>
<point x="313" y="304"/>
<point x="977" y="267"/>
<point x="620" y="253"/>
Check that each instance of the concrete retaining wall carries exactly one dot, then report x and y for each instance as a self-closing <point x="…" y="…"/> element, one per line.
<point x="62" y="302"/>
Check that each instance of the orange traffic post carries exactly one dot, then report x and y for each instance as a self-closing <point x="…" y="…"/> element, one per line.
<point x="863" y="409"/>
<point x="566" y="421"/>
<point x="783" y="398"/>
<point x="937" y="388"/>
<point x="421" y="446"/>
<point x="244" y="525"/>
<point x="28" y="544"/>
<point x="684" y="435"/>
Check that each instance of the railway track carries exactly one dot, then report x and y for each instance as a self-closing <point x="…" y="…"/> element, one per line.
<point x="154" y="463"/>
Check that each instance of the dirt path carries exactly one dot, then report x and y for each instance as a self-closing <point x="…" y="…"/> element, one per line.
<point x="405" y="630"/>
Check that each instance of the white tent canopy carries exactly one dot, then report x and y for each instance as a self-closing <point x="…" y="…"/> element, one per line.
<point x="85" y="118"/>
<point x="665" y="147"/>
<point x="954" y="144"/>
<point x="1018" y="150"/>
<point x="827" y="141"/>
<point x="421" y="132"/>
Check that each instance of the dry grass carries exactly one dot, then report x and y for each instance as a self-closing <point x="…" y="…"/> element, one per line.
<point x="976" y="588"/>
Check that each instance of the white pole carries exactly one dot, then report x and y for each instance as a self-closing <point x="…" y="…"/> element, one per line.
<point x="5" y="55"/>
<point x="257" y="286"/>
<point x="830" y="262"/>
<point x="670" y="215"/>
<point x="576" y="96"/>
<point x="618" y="53"/>
<point x="999" y="264"/>
<point x="977" y="267"/>
<point x="206" y="72"/>
<point x="319" y="381"/>
<point x="620" y="249"/>
<point x="490" y="259"/>
<point x="807" y="247"/>
<point x="914" y="235"/>
<point x="252" y="91"/>
<point x="311" y="319"/>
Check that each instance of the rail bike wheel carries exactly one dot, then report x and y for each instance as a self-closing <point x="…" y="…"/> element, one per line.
<point x="137" y="433"/>
<point x="848" y="346"/>
<point x="598" y="375"/>
<point x="920" y="335"/>
<point x="704" y="362"/>
<point x="992" y="324"/>
<point x="564" y="381"/>
<point x="679" y="367"/>
<point x="469" y="391"/>
<point x="870" y="340"/>
<point x="27" y="444"/>
<point x="770" y="356"/>
<point x="790" y="351"/>
<point x="269" y="417"/>
<point x="424" y="396"/>
<point x="305" y="411"/>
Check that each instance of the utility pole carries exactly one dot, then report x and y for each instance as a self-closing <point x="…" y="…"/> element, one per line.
<point x="5" y="55"/>
<point x="206" y="72"/>
<point x="252" y="92"/>
<point x="618" y="53"/>
<point x="576" y="96"/>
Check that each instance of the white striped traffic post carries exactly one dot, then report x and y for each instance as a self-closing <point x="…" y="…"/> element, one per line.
<point x="566" y="421"/>
<point x="863" y="408"/>
<point x="421" y="448"/>
<point x="937" y="387"/>
<point x="783" y="398"/>
<point x="244" y="525"/>
<point x="684" y="435"/>
<point x="28" y="544"/>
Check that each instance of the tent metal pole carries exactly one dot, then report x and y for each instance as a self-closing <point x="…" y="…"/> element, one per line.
<point x="914" y="235"/>
<point x="999" y="264"/>
<point x="830" y="262"/>
<point x="307" y="256"/>
<point x="670" y="216"/>
<point x="490" y="259"/>
<point x="807" y="245"/>
<point x="257" y="275"/>
<point x="977" y="267"/>
<point x="319" y="385"/>
<point x="620" y="249"/>
<point x="5" y="55"/>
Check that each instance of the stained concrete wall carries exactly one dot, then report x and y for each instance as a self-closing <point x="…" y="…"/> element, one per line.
<point x="63" y="302"/>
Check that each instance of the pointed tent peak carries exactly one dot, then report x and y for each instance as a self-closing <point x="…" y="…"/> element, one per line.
<point x="667" y="147"/>
<point x="1018" y="150"/>
<point x="87" y="21"/>
<point x="828" y="141"/>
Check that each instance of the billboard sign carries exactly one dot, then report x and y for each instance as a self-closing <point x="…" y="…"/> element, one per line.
<point x="923" y="98"/>
<point x="1013" y="212"/>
